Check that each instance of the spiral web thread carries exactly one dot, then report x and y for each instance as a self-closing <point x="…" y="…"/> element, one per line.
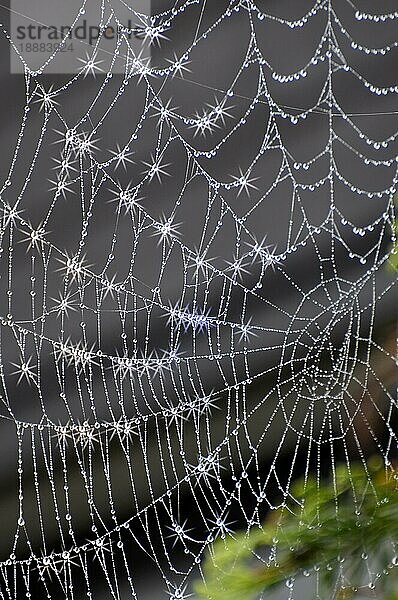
<point x="295" y="369"/>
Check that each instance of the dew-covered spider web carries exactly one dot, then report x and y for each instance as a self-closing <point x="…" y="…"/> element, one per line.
<point x="199" y="308"/>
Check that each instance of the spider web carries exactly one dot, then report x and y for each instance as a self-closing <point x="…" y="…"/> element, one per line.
<point x="189" y="314"/>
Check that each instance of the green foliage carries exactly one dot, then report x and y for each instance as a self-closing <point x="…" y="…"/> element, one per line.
<point x="393" y="260"/>
<point x="344" y="526"/>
